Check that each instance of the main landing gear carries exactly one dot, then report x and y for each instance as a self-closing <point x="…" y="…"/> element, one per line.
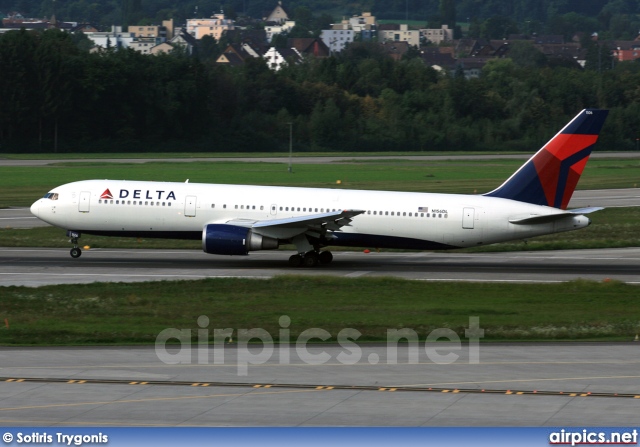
<point x="310" y="259"/>
<point x="75" y="251"/>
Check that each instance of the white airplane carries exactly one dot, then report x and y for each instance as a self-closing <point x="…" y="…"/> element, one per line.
<point x="237" y="219"/>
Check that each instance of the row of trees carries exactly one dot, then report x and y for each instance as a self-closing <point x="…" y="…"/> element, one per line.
<point x="56" y="97"/>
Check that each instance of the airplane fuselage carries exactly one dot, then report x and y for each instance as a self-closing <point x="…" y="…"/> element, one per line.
<point x="405" y="220"/>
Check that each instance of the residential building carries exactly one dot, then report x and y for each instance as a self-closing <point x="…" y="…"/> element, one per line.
<point x="236" y="54"/>
<point x="277" y="16"/>
<point x="115" y="38"/>
<point x="185" y="40"/>
<point x="214" y="27"/>
<point x="399" y="33"/>
<point x="364" y="22"/>
<point x="626" y="50"/>
<point x="309" y="46"/>
<point x="162" y="48"/>
<point x="154" y="31"/>
<point x="337" y="39"/>
<point x="395" y="49"/>
<point x="273" y="30"/>
<point x="143" y="46"/>
<point x="472" y="66"/>
<point x="437" y="35"/>
<point x="276" y="58"/>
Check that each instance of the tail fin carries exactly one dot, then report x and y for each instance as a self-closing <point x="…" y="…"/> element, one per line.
<point x="551" y="175"/>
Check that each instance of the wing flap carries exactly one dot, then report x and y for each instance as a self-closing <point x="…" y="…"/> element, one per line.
<point x="315" y="225"/>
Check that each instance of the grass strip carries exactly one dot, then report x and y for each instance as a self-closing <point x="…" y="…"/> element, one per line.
<point x="122" y="313"/>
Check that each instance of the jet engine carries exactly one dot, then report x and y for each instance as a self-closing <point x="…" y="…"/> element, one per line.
<point x="223" y="239"/>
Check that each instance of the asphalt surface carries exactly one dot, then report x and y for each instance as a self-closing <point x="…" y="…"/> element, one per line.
<point x="37" y="267"/>
<point x="509" y="385"/>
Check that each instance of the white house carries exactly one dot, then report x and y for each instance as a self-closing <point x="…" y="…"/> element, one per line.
<point x="113" y="39"/>
<point x="278" y="57"/>
<point x="273" y="30"/>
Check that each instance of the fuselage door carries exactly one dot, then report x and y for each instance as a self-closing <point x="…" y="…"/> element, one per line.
<point x="190" y="206"/>
<point x="83" y="203"/>
<point x="467" y="218"/>
<point x="274" y="209"/>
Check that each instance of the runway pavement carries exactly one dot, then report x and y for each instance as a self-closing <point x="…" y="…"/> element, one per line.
<point x="509" y="385"/>
<point x="19" y="218"/>
<point x="37" y="267"/>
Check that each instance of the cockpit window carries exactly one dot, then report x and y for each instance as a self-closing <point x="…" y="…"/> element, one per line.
<point x="51" y="195"/>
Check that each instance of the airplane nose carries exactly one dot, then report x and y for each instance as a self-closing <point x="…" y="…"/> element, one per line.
<point x="35" y="208"/>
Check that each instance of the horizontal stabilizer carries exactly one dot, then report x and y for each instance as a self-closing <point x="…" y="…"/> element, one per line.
<point x="546" y="218"/>
<point x="591" y="209"/>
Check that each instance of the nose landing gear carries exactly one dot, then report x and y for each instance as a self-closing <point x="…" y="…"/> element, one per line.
<point x="75" y="251"/>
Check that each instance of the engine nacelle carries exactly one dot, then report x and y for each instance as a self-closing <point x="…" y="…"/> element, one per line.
<point x="223" y="239"/>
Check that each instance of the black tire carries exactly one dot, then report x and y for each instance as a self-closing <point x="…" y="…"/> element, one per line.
<point x="310" y="260"/>
<point x="295" y="261"/>
<point x="325" y="257"/>
<point x="75" y="252"/>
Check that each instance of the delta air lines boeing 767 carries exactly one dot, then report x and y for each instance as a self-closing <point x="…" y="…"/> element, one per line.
<point x="237" y="219"/>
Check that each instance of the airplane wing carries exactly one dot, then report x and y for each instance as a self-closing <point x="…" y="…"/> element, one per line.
<point x="315" y="225"/>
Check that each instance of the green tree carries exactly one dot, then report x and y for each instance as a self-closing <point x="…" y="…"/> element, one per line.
<point x="448" y="12"/>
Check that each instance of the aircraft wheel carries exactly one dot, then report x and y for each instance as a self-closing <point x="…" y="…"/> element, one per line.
<point x="75" y="252"/>
<point x="325" y="257"/>
<point x="310" y="259"/>
<point x="295" y="261"/>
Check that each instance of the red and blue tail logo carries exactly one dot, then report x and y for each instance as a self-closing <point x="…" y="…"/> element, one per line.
<point x="551" y="175"/>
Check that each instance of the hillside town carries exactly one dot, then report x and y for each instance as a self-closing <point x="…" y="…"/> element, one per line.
<point x="255" y="39"/>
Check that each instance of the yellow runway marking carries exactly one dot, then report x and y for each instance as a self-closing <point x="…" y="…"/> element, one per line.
<point x="550" y="379"/>
<point x="154" y="399"/>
